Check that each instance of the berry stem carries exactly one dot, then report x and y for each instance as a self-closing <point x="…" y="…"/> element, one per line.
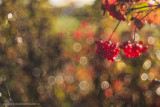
<point x="114" y="30"/>
<point x="134" y="34"/>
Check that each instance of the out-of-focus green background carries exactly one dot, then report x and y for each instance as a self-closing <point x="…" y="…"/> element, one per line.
<point x="48" y="59"/>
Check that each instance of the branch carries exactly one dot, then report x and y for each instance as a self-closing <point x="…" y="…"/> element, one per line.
<point x="155" y="1"/>
<point x="142" y="19"/>
<point x="132" y="9"/>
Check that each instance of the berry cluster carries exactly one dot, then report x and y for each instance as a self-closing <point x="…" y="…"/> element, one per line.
<point x="111" y="8"/>
<point x="107" y="49"/>
<point x="133" y="49"/>
<point x="116" y="14"/>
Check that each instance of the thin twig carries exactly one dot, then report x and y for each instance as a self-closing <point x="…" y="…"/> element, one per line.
<point x="142" y="19"/>
<point x="134" y="34"/>
<point x="132" y="9"/>
<point x="156" y="2"/>
<point x="148" y="13"/>
<point x="114" y="30"/>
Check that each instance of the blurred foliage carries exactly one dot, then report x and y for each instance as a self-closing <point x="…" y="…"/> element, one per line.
<point x="47" y="56"/>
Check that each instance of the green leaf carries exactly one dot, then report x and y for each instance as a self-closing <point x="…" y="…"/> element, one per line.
<point x="142" y="6"/>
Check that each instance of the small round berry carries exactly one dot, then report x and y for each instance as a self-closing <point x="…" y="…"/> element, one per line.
<point x="140" y="43"/>
<point x="127" y="55"/>
<point x="144" y="49"/>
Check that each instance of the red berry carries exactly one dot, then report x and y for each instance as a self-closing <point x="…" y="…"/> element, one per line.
<point x="140" y="43"/>
<point x="144" y="49"/>
<point x="127" y="55"/>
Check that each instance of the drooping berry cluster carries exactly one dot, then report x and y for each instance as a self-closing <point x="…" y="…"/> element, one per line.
<point x="133" y="49"/>
<point x="107" y="49"/>
<point x="111" y="8"/>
